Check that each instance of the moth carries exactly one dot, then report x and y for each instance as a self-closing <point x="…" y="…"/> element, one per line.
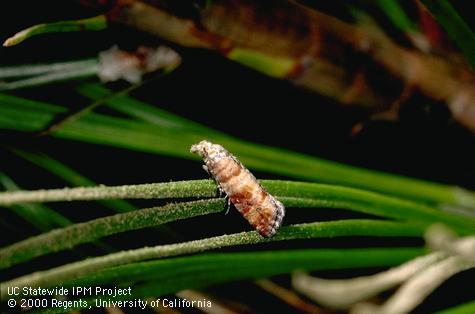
<point x="263" y="211"/>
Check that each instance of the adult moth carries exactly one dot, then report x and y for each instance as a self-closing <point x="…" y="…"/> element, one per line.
<point x="261" y="210"/>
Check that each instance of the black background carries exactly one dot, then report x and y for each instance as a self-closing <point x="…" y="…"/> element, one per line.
<point x="425" y="143"/>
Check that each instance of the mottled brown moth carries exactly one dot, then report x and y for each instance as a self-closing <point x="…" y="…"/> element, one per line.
<point x="263" y="211"/>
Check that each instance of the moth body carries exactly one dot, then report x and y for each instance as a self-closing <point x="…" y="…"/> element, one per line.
<point x="261" y="210"/>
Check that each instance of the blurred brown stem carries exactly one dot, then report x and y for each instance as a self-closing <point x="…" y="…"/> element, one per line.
<point x="352" y="64"/>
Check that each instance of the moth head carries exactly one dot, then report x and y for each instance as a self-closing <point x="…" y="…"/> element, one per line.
<point x="201" y="148"/>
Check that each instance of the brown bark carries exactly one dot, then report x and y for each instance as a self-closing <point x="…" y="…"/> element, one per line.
<point x="350" y="63"/>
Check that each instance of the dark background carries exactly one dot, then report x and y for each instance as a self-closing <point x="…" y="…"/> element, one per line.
<point x="425" y="143"/>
